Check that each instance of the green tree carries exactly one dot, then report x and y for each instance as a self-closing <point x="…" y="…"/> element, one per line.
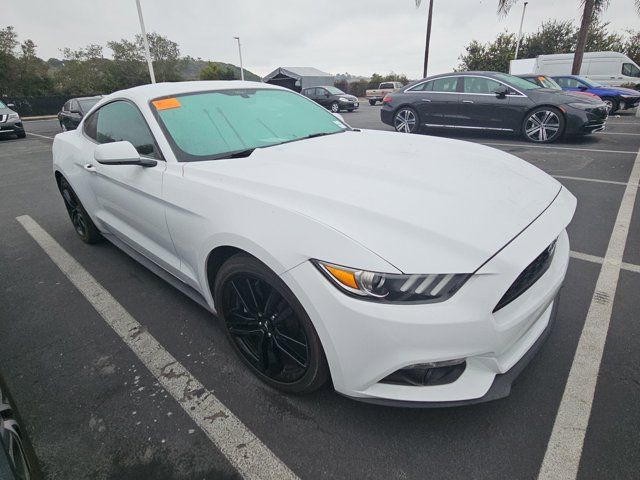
<point x="8" y="62"/>
<point x="165" y="55"/>
<point x="85" y="71"/>
<point x="33" y="78"/>
<point x="492" y="56"/>
<point x="632" y="45"/>
<point x="553" y="36"/>
<point x="214" y="71"/>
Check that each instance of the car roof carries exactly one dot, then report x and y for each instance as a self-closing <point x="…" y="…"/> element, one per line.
<point x="143" y="93"/>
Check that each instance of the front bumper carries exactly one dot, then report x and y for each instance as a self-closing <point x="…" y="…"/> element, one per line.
<point x="628" y="103"/>
<point x="364" y="342"/>
<point x="9" y="127"/>
<point x="584" y="121"/>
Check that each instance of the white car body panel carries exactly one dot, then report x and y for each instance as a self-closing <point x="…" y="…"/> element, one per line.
<point x="377" y="201"/>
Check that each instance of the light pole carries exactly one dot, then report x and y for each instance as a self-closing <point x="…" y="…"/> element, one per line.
<point x="524" y="8"/>
<point x="145" y="42"/>
<point x="240" y="52"/>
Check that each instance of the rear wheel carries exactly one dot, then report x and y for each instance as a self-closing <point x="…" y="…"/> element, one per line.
<point x="406" y="120"/>
<point x="612" y="104"/>
<point x="80" y="219"/>
<point x="543" y="125"/>
<point x="268" y="327"/>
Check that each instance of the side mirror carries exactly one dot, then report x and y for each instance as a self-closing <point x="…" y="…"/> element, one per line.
<point x="120" y="153"/>
<point x="327" y="95"/>
<point x="501" y="91"/>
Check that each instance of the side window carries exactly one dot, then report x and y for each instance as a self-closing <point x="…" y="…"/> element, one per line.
<point x="630" y="70"/>
<point x="570" y="83"/>
<point x="321" y="92"/>
<point x="423" y="87"/>
<point x="563" y="82"/>
<point x="479" y="85"/>
<point x="73" y="106"/>
<point x="120" y="121"/>
<point x="65" y="107"/>
<point x="447" y="84"/>
<point x="90" y="125"/>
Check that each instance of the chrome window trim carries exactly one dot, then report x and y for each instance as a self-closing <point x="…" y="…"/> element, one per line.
<point x="410" y="89"/>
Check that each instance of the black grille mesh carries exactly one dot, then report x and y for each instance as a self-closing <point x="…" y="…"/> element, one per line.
<point x="528" y="277"/>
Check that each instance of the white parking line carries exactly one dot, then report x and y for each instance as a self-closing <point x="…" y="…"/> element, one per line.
<point x="38" y="135"/>
<point x="631" y="267"/>
<point x="529" y="145"/>
<point x="617" y="133"/>
<point x="564" y="450"/>
<point x="585" y="179"/>
<point x="243" y="449"/>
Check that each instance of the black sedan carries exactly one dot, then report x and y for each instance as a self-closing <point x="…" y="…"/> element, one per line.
<point x="492" y="101"/>
<point x="332" y="98"/>
<point x="73" y="111"/>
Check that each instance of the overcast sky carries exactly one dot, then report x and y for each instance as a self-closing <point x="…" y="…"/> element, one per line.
<point x="355" y="36"/>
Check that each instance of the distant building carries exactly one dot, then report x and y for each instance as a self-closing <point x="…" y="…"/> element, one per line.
<point x="297" y="78"/>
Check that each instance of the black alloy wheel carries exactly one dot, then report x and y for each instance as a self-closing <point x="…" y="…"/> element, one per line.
<point x="268" y="327"/>
<point x="406" y="120"/>
<point x="80" y="219"/>
<point x="543" y="125"/>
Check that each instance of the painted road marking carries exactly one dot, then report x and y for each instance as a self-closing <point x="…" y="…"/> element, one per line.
<point x="528" y="145"/>
<point x="562" y="457"/>
<point x="585" y="179"/>
<point x="38" y="135"/>
<point x="617" y="133"/>
<point x="631" y="267"/>
<point x="243" y="449"/>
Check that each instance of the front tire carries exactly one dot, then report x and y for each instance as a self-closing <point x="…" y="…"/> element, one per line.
<point x="372" y="102"/>
<point x="80" y="219"/>
<point x="406" y="120"/>
<point x="335" y="107"/>
<point x="268" y="327"/>
<point x="612" y="105"/>
<point x="543" y="125"/>
<point x="22" y="134"/>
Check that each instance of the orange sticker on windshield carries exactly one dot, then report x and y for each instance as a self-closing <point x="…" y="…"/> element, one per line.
<point x="166" y="103"/>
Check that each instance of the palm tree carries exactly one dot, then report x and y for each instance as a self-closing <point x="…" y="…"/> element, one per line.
<point x="591" y="8"/>
<point x="428" y="40"/>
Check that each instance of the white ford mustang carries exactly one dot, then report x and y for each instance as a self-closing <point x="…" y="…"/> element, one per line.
<point x="410" y="270"/>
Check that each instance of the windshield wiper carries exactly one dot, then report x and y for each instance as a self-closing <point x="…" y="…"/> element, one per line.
<point x="236" y="154"/>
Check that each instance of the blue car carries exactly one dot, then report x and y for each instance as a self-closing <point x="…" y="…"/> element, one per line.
<point x="616" y="98"/>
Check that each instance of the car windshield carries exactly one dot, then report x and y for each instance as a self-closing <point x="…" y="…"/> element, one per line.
<point x="548" y="82"/>
<point x="589" y="82"/>
<point x="87" y="103"/>
<point x="335" y="91"/>
<point x="226" y="123"/>
<point x="517" y="82"/>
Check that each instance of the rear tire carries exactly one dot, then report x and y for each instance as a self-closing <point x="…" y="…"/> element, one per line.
<point x="80" y="219"/>
<point x="406" y="120"/>
<point x="543" y="125"/>
<point x="258" y="308"/>
<point x="372" y="102"/>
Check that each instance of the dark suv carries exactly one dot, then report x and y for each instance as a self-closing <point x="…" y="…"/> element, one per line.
<point x="73" y="111"/>
<point x="332" y="98"/>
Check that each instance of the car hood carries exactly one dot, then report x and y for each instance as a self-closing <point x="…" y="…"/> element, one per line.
<point x="620" y="91"/>
<point x="424" y="204"/>
<point x="560" y="97"/>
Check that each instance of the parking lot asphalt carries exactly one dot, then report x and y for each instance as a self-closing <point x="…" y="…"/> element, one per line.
<point x="93" y="410"/>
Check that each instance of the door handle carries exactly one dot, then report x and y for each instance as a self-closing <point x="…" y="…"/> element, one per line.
<point x="426" y="100"/>
<point x="467" y="101"/>
<point x="90" y="168"/>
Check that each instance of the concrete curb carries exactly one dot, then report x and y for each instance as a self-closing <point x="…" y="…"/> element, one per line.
<point x="42" y="117"/>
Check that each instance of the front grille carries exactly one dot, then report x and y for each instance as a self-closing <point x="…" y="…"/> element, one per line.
<point x="528" y="277"/>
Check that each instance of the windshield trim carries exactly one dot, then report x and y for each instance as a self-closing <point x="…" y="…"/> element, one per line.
<point x="225" y="155"/>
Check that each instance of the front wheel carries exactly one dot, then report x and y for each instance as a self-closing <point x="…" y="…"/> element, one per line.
<point x="543" y="125"/>
<point x="335" y="107"/>
<point x="268" y="327"/>
<point x="406" y="120"/>
<point x="612" y="105"/>
<point x="372" y="102"/>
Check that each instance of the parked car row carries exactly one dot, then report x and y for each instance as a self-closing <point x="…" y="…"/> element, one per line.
<point x="74" y="110"/>
<point x="496" y="102"/>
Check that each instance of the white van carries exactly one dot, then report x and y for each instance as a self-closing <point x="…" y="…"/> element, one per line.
<point x="607" y="68"/>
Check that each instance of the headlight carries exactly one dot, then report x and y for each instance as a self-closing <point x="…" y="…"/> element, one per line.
<point x="13" y="115"/>
<point x="583" y="106"/>
<point x="342" y="99"/>
<point x="392" y="287"/>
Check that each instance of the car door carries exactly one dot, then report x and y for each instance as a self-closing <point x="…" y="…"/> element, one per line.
<point x="323" y="97"/>
<point x="437" y="101"/>
<point x="481" y="107"/>
<point x="129" y="197"/>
